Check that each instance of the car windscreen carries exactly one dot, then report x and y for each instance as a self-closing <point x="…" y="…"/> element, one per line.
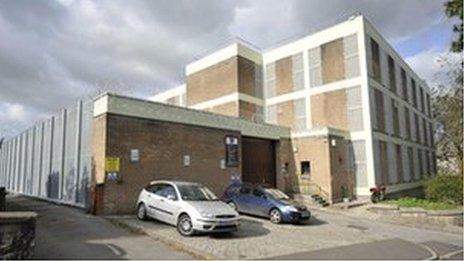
<point x="275" y="193"/>
<point x="196" y="193"/>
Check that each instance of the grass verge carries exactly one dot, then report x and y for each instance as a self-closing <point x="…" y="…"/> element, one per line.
<point x="421" y="203"/>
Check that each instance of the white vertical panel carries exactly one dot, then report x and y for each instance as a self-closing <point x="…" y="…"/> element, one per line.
<point x="298" y="71"/>
<point x="69" y="173"/>
<point x="271" y="114"/>
<point x="36" y="164"/>
<point x="315" y="67"/>
<point x="270" y="83"/>
<point x="29" y="166"/>
<point x="378" y="171"/>
<point x="299" y="123"/>
<point x="22" y="163"/>
<point x="85" y="153"/>
<point x="47" y="154"/>
<point x="351" y="57"/>
<point x="53" y="185"/>
<point x="354" y="109"/>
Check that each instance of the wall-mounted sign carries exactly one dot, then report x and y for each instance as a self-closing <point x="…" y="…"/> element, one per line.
<point x="112" y="176"/>
<point x="232" y="157"/>
<point x="112" y="164"/>
<point x="223" y="164"/>
<point x="186" y="160"/>
<point x="134" y="155"/>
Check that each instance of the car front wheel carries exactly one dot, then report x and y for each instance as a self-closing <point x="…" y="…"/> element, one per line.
<point x="184" y="225"/>
<point x="275" y="216"/>
<point x="142" y="212"/>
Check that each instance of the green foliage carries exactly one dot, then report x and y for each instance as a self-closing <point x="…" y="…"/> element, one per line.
<point x="421" y="203"/>
<point x="453" y="8"/>
<point x="445" y="188"/>
<point x="447" y="105"/>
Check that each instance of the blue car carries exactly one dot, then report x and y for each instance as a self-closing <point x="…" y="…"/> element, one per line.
<point x="266" y="202"/>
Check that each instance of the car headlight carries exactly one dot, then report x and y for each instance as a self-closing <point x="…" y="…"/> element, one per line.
<point x="206" y="214"/>
<point x="290" y="208"/>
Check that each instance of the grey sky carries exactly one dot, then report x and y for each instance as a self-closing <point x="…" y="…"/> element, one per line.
<point x="53" y="52"/>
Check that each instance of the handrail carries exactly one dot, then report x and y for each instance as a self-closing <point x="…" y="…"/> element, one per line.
<point x="321" y="191"/>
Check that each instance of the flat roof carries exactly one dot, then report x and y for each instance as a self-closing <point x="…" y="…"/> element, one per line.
<point x="135" y="107"/>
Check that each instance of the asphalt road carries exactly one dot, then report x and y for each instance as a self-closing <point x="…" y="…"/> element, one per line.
<point x="68" y="233"/>
<point x="400" y="243"/>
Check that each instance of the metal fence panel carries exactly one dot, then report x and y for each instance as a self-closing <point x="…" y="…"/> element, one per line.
<point x="85" y="156"/>
<point x="69" y="173"/>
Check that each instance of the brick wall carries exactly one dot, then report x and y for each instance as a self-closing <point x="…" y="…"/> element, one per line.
<point x="162" y="146"/>
<point x="284" y="77"/>
<point x="329" y="109"/>
<point x="213" y="82"/>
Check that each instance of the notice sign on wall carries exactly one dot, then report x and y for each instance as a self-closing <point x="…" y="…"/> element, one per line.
<point x="232" y="157"/>
<point x="112" y="164"/>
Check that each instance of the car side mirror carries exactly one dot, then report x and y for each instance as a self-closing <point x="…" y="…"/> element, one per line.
<point x="171" y="197"/>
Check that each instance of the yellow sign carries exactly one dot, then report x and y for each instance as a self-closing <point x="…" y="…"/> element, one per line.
<point x="112" y="164"/>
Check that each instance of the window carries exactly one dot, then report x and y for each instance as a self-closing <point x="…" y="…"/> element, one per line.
<point x="166" y="190"/>
<point x="421" y="99"/>
<point x="407" y="123"/>
<point x="417" y="130"/>
<point x="429" y="111"/>
<point x="245" y="189"/>
<point x="396" y="121"/>
<point x="354" y="106"/>
<point x="270" y="80"/>
<point x="424" y="131"/>
<point x="375" y="52"/>
<point x="298" y="72"/>
<point x="379" y="110"/>
<point x="154" y="188"/>
<point x="392" y="74"/>
<point x="299" y="114"/>
<point x="431" y="134"/>
<point x="414" y="95"/>
<point x="314" y="65"/>
<point x="421" y="167"/>
<point x="350" y="51"/>
<point x="399" y="163"/>
<point x="305" y="167"/>
<point x="258" y="193"/>
<point x="411" y="164"/>
<point x="404" y="84"/>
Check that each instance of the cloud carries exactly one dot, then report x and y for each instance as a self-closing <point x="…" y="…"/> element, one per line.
<point x="54" y="52"/>
<point x="431" y="64"/>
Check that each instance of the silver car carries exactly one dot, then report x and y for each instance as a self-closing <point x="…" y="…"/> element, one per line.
<point x="191" y="207"/>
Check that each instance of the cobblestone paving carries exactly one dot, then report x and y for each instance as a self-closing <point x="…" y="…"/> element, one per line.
<point x="258" y="238"/>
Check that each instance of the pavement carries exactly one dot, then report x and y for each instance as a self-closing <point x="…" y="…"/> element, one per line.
<point x="68" y="233"/>
<point x="329" y="235"/>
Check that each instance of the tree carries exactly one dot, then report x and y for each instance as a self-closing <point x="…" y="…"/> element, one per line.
<point x="453" y="8"/>
<point x="447" y="100"/>
<point x="448" y="113"/>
